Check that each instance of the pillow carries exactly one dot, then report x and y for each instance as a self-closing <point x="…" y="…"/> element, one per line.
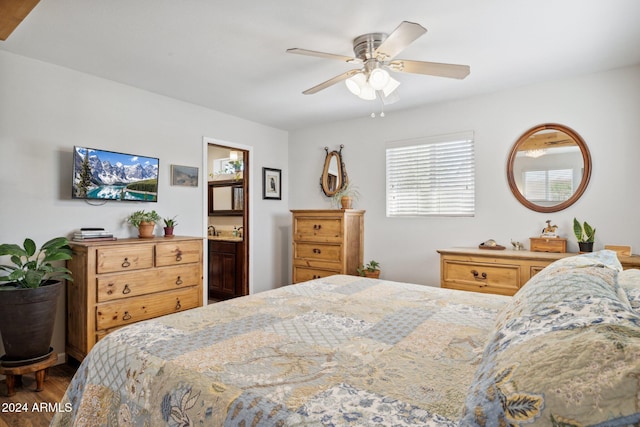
<point x="629" y="280"/>
<point x="566" y="349"/>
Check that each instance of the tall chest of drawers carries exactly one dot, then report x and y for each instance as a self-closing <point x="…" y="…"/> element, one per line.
<point x="120" y="282"/>
<point x="327" y="242"/>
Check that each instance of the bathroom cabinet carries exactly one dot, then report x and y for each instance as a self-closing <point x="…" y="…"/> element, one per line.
<point x="226" y="262"/>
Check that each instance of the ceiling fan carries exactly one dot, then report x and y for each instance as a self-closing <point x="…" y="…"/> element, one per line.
<point x="375" y="54"/>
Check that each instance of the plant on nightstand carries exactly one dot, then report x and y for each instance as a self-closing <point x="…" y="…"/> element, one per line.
<point x="29" y="298"/>
<point x="585" y="235"/>
<point x="145" y="222"/>
<point x="370" y="270"/>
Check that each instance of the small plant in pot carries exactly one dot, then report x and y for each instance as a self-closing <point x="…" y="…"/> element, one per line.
<point x="169" y="225"/>
<point x="345" y="196"/>
<point x="29" y="298"/>
<point x="585" y="234"/>
<point x="145" y="222"/>
<point x="370" y="270"/>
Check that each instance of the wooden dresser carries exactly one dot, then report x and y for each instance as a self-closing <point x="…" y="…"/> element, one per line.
<point x="120" y="282"/>
<point x="327" y="242"/>
<point x="499" y="272"/>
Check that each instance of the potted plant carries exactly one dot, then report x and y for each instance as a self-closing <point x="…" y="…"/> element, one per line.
<point x="169" y="224"/>
<point x="29" y="298"/>
<point x="345" y="196"/>
<point x="145" y="222"/>
<point x="370" y="270"/>
<point x="585" y="235"/>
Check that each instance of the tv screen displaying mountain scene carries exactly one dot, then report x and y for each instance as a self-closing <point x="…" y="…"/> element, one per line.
<point x="107" y="175"/>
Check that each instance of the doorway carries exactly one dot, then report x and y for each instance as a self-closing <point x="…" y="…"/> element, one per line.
<point x="228" y="226"/>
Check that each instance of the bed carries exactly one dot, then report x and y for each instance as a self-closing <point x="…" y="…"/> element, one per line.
<point x="347" y="350"/>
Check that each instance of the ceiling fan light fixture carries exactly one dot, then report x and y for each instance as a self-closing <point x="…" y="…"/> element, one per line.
<point x="356" y="83"/>
<point x="391" y="86"/>
<point x="368" y="93"/>
<point x="378" y="78"/>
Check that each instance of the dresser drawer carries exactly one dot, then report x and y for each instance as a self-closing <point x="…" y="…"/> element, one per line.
<point x="135" y="309"/>
<point x="317" y="251"/>
<point x="302" y="274"/>
<point x="124" y="258"/>
<point x="179" y="252"/>
<point x="478" y="277"/>
<point x="125" y="285"/>
<point x="318" y="229"/>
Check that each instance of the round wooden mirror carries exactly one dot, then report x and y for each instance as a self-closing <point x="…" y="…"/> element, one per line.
<point x="549" y="168"/>
<point x="333" y="174"/>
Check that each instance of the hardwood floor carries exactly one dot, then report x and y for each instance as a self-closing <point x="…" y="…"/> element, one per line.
<point x="28" y="408"/>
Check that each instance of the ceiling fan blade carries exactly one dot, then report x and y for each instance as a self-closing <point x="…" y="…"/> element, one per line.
<point x="453" y="71"/>
<point x="322" y="55"/>
<point x="12" y="12"/>
<point x="331" y="82"/>
<point x="399" y="39"/>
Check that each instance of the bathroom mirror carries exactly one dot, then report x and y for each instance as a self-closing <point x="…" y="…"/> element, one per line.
<point x="549" y="168"/>
<point x="226" y="198"/>
<point x="333" y="176"/>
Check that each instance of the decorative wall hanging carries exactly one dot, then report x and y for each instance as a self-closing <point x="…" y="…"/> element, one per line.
<point x="271" y="183"/>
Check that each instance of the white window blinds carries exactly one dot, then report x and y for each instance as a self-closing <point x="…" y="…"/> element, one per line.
<point x="431" y="176"/>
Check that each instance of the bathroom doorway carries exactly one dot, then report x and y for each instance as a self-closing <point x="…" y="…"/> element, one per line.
<point x="228" y="225"/>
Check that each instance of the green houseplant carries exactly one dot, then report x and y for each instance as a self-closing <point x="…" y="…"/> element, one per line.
<point x="370" y="270"/>
<point x="145" y="222"/>
<point x="28" y="297"/>
<point x="169" y="225"/>
<point x="345" y="196"/>
<point x="585" y="234"/>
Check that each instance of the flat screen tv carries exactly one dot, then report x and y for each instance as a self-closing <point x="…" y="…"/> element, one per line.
<point x="107" y="175"/>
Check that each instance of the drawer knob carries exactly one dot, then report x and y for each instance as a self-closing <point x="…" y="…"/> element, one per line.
<point x="126" y="289"/>
<point x="317" y="251"/>
<point x="317" y="226"/>
<point x="479" y="276"/>
<point x="126" y="263"/>
<point x="179" y="281"/>
<point x="179" y="255"/>
<point x="126" y="316"/>
<point x="178" y="306"/>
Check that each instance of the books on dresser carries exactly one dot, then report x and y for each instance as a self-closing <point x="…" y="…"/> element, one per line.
<point x="92" y="235"/>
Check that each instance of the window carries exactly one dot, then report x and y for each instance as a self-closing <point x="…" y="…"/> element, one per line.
<point x="548" y="185"/>
<point x="431" y="176"/>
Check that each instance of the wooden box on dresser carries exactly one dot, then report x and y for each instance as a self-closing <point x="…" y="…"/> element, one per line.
<point x="499" y="271"/>
<point x="327" y="242"/>
<point x="120" y="282"/>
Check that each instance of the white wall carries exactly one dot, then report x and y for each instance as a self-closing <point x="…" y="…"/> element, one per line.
<point x="603" y="108"/>
<point x="45" y="110"/>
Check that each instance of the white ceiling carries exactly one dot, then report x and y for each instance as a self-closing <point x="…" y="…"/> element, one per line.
<point x="230" y="55"/>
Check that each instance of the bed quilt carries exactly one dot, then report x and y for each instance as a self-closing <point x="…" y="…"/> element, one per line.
<point x="342" y="350"/>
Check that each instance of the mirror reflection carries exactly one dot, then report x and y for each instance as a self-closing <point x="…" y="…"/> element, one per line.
<point x="333" y="174"/>
<point x="549" y="168"/>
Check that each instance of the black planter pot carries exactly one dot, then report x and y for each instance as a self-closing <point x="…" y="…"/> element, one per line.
<point x="27" y="317"/>
<point x="585" y="246"/>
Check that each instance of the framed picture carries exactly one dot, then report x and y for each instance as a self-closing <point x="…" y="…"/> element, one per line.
<point x="271" y="183"/>
<point x="185" y="176"/>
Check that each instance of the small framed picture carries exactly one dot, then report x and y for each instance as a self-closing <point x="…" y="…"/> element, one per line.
<point x="271" y="183"/>
<point x="185" y="176"/>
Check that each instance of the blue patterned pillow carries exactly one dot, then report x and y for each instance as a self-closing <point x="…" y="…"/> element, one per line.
<point x="630" y="281"/>
<point x="565" y="350"/>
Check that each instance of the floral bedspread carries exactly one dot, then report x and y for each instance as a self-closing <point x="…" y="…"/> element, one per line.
<point x="336" y="351"/>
